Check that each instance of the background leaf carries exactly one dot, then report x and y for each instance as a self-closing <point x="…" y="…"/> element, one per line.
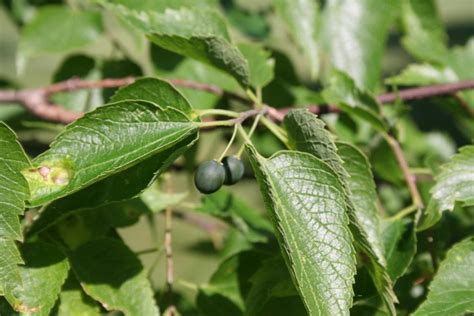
<point x="425" y="37"/>
<point x="305" y="199"/>
<point x="353" y="37"/>
<point x="58" y="29"/>
<point x="301" y="19"/>
<point x="109" y="272"/>
<point x="343" y="91"/>
<point x="455" y="183"/>
<point x="260" y="64"/>
<point x="452" y="287"/>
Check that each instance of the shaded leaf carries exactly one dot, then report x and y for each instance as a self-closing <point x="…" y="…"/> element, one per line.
<point x="73" y="300"/>
<point x="13" y="193"/>
<point x="399" y="241"/>
<point x="301" y="19"/>
<point x="451" y="291"/>
<point x="306" y="201"/>
<point x="106" y="141"/>
<point x="353" y="37"/>
<point x="268" y="282"/>
<point x="343" y="92"/>
<point x="247" y="220"/>
<point x="200" y="34"/>
<point x="42" y="276"/>
<point x="112" y="274"/>
<point x="454" y="184"/>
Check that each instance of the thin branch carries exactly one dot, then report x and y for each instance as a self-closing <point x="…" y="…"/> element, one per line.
<point x="410" y="178"/>
<point x="426" y="91"/>
<point x="37" y="100"/>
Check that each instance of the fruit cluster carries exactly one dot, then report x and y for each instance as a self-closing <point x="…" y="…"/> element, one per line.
<point x="212" y="174"/>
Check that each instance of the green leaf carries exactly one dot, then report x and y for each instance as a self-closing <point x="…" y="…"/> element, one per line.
<point x="247" y="220"/>
<point x="301" y="19"/>
<point x="261" y="66"/>
<point x="454" y="184"/>
<point x="112" y="274"/>
<point x="306" y="133"/>
<point x="13" y="193"/>
<point x="59" y="29"/>
<point x="353" y="37"/>
<point x="423" y="74"/>
<point x="306" y="200"/>
<point x="156" y="91"/>
<point x="268" y="282"/>
<point x="424" y="37"/>
<point x="343" y="92"/>
<point x="73" y="301"/>
<point x="451" y="291"/>
<point x="162" y="5"/>
<point x="199" y="33"/>
<point x="42" y="276"/>
<point x="122" y="186"/>
<point x="362" y="194"/>
<point x="104" y="142"/>
<point x="399" y="240"/>
<point x="223" y="287"/>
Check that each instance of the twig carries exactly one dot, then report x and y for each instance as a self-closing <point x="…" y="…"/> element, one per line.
<point x="37" y="100"/>
<point x="169" y="248"/>
<point x="409" y="177"/>
<point x="426" y="91"/>
<point x="464" y="104"/>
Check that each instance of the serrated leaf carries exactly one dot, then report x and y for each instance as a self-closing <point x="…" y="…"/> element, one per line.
<point x="73" y="301"/>
<point x="155" y="91"/>
<point x="13" y="193"/>
<point x="234" y="211"/>
<point x="343" y="92"/>
<point x="454" y="184"/>
<point x="58" y="29"/>
<point x="363" y="195"/>
<point x="399" y="240"/>
<point x="261" y="65"/>
<point x="301" y="19"/>
<point x="451" y="291"/>
<point x="425" y="37"/>
<point x="200" y="34"/>
<point x="306" y="133"/>
<point x="306" y="200"/>
<point x="111" y="273"/>
<point x="104" y="142"/>
<point x="353" y="37"/>
<point x="42" y="276"/>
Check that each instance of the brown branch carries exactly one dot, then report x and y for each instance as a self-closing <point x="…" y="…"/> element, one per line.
<point x="410" y="178"/>
<point x="426" y="91"/>
<point x="37" y="100"/>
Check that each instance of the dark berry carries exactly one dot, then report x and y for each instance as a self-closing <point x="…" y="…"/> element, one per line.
<point x="234" y="169"/>
<point x="209" y="176"/>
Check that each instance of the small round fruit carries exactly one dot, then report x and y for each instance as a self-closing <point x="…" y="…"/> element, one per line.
<point x="234" y="169"/>
<point x="209" y="176"/>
